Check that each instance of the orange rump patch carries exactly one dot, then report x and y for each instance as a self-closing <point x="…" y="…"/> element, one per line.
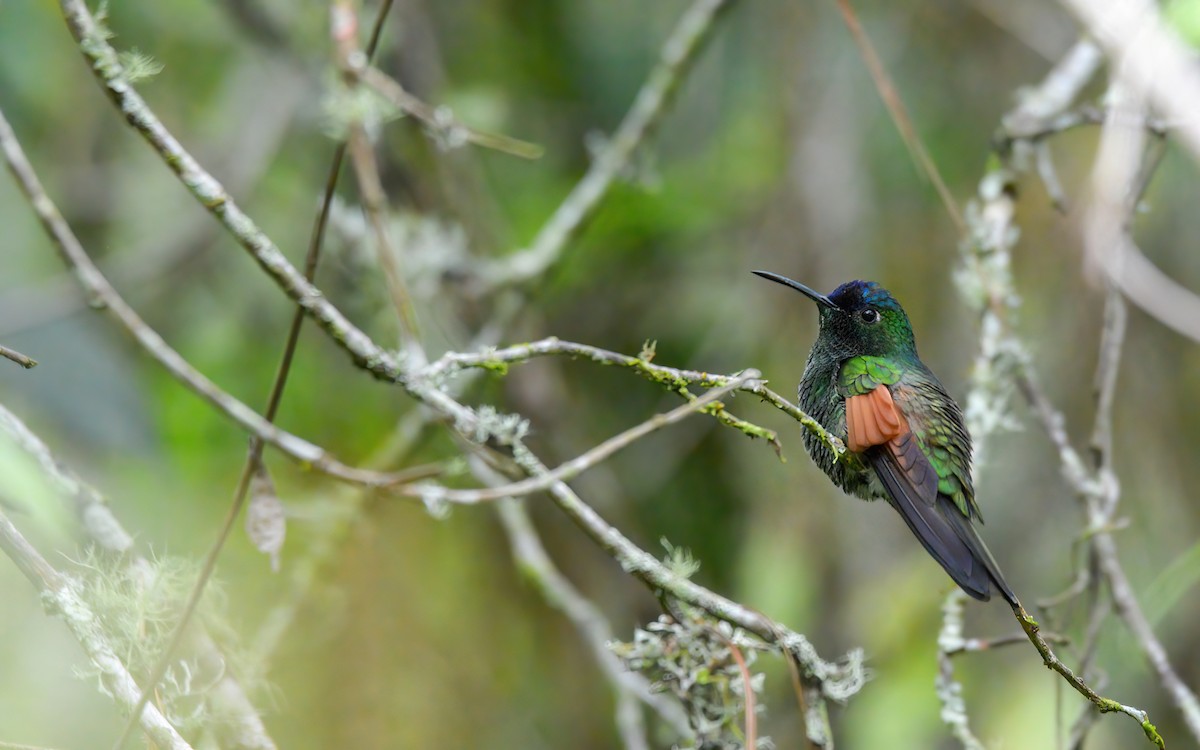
<point x="872" y="419"/>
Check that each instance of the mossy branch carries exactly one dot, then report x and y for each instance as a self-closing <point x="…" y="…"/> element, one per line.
<point x="672" y="379"/>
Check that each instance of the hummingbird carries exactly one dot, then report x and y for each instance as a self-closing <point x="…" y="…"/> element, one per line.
<point x="904" y="435"/>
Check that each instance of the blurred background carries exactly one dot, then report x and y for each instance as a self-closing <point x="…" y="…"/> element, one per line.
<point x="778" y="154"/>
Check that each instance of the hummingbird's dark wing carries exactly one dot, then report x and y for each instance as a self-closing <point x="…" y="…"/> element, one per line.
<point x="910" y="433"/>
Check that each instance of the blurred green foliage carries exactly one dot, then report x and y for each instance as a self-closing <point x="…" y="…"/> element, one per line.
<point x="778" y="155"/>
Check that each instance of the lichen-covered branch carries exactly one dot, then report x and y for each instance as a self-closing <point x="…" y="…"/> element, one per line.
<point x="986" y="283"/>
<point x="677" y="380"/>
<point x="830" y="681"/>
<point x="61" y="597"/>
<point x="949" y="690"/>
<point x="105" y="530"/>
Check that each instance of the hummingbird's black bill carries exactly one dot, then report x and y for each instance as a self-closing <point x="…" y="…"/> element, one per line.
<point x="817" y="297"/>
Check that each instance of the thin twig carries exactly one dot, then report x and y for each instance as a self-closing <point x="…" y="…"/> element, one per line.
<point x="750" y="709"/>
<point x="374" y="199"/>
<point x="440" y="120"/>
<point x="672" y="378"/>
<point x="1100" y="607"/>
<point x="576" y="466"/>
<point x="899" y="114"/>
<point x="27" y="362"/>
<point x="976" y="645"/>
<point x="344" y="30"/>
<point x="679" y="53"/>
<point x="1105" y="705"/>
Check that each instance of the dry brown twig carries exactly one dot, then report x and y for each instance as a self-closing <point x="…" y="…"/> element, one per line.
<point x="344" y="31"/>
<point x="899" y="113"/>
<point x="440" y="120"/>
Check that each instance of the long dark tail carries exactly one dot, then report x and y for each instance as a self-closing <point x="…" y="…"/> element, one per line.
<point x="943" y="530"/>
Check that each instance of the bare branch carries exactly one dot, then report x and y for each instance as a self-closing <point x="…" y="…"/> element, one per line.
<point x="986" y="281"/>
<point x="27" y="362"/>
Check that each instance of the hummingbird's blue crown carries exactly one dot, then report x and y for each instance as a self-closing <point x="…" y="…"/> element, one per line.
<point x="855" y="295"/>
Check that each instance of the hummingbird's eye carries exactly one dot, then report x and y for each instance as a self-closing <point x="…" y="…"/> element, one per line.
<point x="869" y="315"/>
